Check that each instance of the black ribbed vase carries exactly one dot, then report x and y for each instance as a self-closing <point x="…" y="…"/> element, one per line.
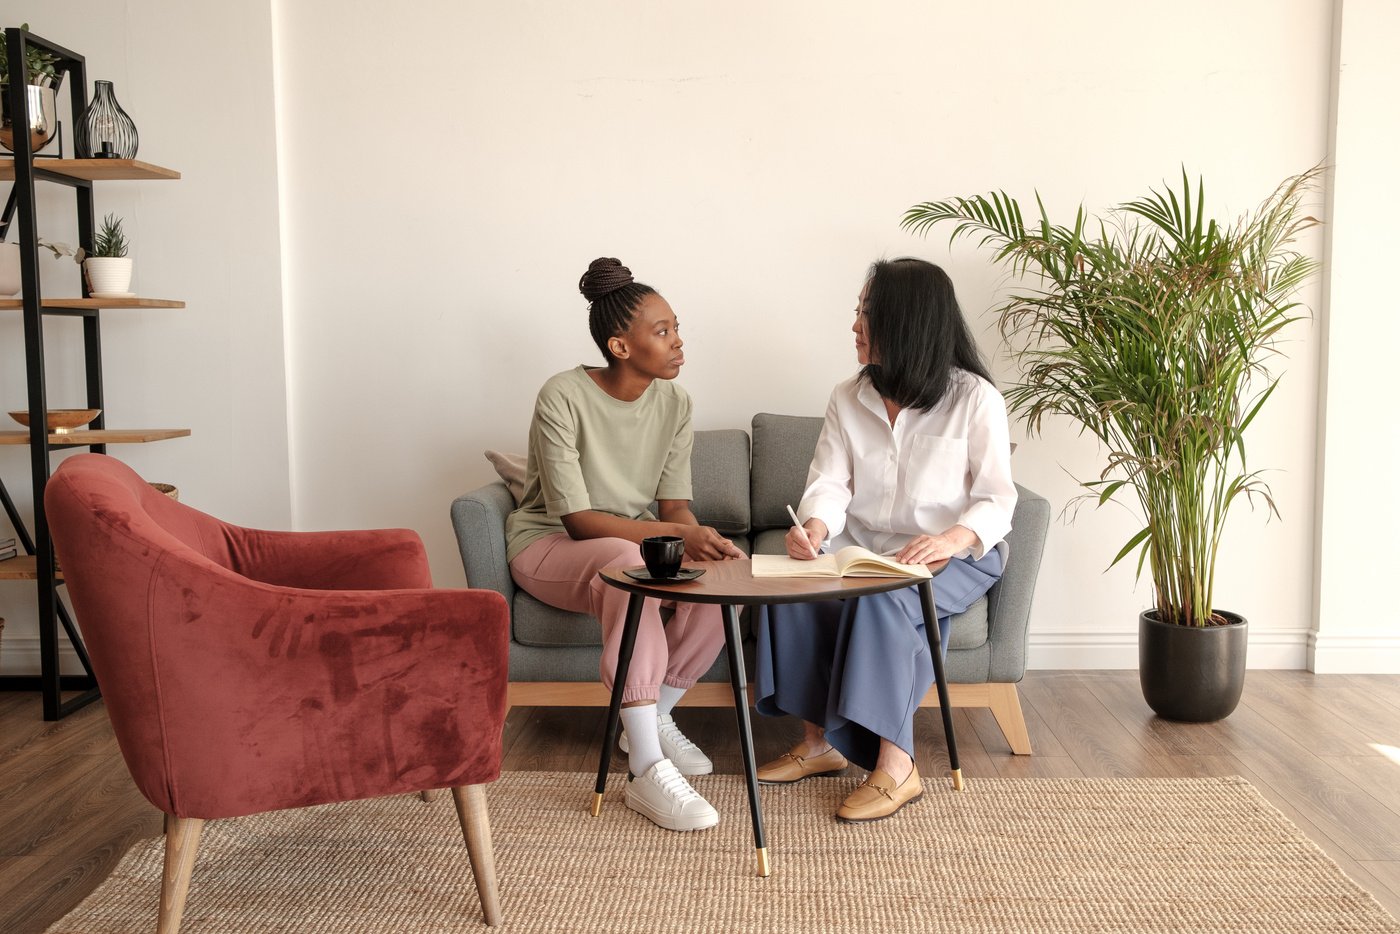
<point x="104" y="130"/>
<point x="1192" y="673"/>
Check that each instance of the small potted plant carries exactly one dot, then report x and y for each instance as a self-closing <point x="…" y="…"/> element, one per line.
<point x="42" y="76"/>
<point x="107" y="266"/>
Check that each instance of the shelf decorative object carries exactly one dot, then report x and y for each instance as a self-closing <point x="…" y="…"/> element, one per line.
<point x="60" y="421"/>
<point x="108" y="268"/>
<point x="43" y="118"/>
<point x="42" y="75"/>
<point x="104" y="130"/>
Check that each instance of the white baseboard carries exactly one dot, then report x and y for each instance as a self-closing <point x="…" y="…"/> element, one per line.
<point x="1369" y="654"/>
<point x="1082" y="650"/>
<point x="19" y="655"/>
<point x="1069" y="649"/>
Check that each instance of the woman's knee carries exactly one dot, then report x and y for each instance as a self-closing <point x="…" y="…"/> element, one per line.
<point x="619" y="551"/>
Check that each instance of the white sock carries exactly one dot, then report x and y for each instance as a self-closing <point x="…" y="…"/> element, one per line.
<point x="643" y="739"/>
<point x="670" y="697"/>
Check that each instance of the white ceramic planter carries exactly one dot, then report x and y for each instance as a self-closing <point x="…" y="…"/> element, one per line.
<point x="10" y="281"/>
<point x="108" y="276"/>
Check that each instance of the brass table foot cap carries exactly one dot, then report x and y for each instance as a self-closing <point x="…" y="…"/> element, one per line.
<point x="596" y="807"/>
<point x="763" y="868"/>
<point x="957" y="780"/>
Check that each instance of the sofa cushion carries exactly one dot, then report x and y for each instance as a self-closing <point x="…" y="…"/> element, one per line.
<point x="969" y="628"/>
<point x="719" y="470"/>
<point x="536" y="623"/>
<point x="782" y="451"/>
<point x="511" y="469"/>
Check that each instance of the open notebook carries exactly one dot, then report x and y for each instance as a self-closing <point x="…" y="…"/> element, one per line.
<point x="851" y="561"/>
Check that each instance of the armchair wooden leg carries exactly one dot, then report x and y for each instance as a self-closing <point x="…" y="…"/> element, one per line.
<point x="181" y="845"/>
<point x="476" y="830"/>
<point x="1006" y="708"/>
<point x="430" y="795"/>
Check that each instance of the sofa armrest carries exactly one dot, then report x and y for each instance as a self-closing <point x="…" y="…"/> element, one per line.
<point x="479" y="519"/>
<point x="1009" y="602"/>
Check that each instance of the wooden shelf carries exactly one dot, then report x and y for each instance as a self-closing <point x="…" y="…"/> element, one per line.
<point x="84" y="436"/>
<point x="23" y="568"/>
<point x="82" y="304"/>
<point x="94" y="170"/>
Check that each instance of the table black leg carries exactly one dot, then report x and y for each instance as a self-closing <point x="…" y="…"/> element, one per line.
<point x="624" y="661"/>
<point x="733" y="642"/>
<point x="935" y="643"/>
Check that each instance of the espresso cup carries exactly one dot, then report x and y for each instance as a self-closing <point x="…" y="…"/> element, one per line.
<point x="663" y="554"/>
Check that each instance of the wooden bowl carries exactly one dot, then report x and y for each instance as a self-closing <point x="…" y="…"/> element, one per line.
<point x="61" y="421"/>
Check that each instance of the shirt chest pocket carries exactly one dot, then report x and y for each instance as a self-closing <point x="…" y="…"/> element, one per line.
<point x="936" y="470"/>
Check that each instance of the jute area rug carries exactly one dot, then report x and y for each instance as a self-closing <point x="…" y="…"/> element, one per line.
<point x="1046" y="855"/>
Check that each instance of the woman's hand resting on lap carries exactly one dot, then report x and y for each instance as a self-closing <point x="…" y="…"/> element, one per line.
<point x="929" y="548"/>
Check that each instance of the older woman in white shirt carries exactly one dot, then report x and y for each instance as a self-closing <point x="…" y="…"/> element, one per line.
<point x="913" y="460"/>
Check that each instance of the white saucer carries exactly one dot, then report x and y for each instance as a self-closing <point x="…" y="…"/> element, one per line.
<point x="111" y="294"/>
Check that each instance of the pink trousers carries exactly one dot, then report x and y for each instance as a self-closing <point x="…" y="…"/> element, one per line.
<point x="564" y="573"/>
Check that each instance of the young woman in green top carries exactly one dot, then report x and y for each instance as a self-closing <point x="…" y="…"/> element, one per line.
<point x="604" y="443"/>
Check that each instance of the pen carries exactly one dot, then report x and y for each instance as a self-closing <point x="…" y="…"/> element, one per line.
<point x="798" y="525"/>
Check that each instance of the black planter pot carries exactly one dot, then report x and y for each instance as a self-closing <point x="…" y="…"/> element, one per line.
<point x="1190" y="673"/>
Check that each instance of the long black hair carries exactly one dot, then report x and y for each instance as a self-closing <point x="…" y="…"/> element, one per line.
<point x="917" y="333"/>
<point x="613" y="297"/>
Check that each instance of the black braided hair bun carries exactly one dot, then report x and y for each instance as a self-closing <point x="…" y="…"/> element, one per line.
<point x="605" y="275"/>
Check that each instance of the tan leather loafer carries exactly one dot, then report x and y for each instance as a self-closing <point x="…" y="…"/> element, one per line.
<point x="791" y="767"/>
<point x="879" y="797"/>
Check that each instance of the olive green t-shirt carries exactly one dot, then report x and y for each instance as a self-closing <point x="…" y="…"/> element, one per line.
<point x="590" y="451"/>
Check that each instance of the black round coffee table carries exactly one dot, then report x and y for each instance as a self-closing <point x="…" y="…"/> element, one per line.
<point x="732" y="584"/>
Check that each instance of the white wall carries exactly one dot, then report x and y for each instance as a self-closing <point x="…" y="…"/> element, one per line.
<point x="1361" y="454"/>
<point x="449" y="169"/>
<point x="446" y="170"/>
<point x="197" y="81"/>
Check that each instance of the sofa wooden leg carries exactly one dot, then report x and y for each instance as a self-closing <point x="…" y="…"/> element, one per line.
<point x="430" y="795"/>
<point x="181" y="845"/>
<point x="476" y="830"/>
<point x="1005" y="702"/>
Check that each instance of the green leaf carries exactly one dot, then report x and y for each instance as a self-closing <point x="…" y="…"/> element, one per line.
<point x="1133" y="542"/>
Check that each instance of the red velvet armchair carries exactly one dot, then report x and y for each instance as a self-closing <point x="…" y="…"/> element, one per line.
<point x="248" y="670"/>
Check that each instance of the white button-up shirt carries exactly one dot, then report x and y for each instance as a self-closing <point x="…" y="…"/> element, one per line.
<point x="879" y="485"/>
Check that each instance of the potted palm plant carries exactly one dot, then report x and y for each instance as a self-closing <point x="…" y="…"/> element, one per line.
<point x="1154" y="327"/>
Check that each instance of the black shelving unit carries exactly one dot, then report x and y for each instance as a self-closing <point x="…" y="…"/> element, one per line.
<point x="21" y="212"/>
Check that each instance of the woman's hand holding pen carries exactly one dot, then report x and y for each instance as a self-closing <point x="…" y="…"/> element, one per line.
<point x="804" y="542"/>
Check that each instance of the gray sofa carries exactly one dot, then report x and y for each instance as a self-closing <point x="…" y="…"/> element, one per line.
<point x="742" y="489"/>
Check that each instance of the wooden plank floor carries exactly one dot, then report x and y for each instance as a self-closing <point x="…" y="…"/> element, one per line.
<point x="1325" y="749"/>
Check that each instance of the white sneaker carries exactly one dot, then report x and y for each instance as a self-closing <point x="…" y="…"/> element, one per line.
<point x="686" y="756"/>
<point x="662" y="795"/>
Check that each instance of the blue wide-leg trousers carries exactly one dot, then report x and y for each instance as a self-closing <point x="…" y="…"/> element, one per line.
<point x="860" y="667"/>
